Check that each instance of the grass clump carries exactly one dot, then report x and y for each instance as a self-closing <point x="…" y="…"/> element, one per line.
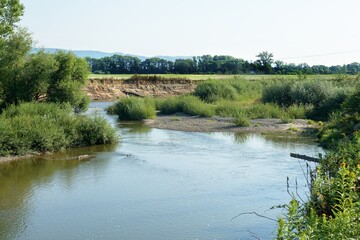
<point x="170" y="105"/>
<point x="241" y="120"/>
<point x="49" y="127"/>
<point x="212" y="91"/>
<point x="134" y="108"/>
<point x="324" y="96"/>
<point x="188" y="104"/>
<point x="195" y="107"/>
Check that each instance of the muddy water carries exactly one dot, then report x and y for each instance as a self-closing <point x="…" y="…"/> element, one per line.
<point x="155" y="184"/>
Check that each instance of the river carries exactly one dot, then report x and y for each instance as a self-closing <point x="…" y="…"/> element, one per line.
<point x="155" y="184"/>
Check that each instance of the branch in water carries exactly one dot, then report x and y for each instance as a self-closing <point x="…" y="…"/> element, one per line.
<point x="259" y="215"/>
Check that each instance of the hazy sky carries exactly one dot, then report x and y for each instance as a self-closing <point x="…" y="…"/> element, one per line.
<point x="293" y="30"/>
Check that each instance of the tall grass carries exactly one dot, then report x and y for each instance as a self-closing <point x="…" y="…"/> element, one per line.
<point x="188" y="104"/>
<point x="325" y="96"/>
<point x="212" y="91"/>
<point x="48" y="127"/>
<point x="134" y="108"/>
<point x="231" y="89"/>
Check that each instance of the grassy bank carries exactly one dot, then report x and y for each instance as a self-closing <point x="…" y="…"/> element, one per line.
<point x="49" y="127"/>
<point x="246" y="99"/>
<point x="332" y="210"/>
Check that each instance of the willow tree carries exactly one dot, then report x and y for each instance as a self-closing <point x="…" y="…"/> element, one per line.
<point x="28" y="77"/>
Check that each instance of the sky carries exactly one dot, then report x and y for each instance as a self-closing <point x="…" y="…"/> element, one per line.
<point x="296" y="31"/>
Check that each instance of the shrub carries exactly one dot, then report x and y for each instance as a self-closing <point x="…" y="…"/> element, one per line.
<point x="170" y="105"/>
<point x="266" y="110"/>
<point x="278" y="93"/>
<point x="228" y="109"/>
<point x="352" y="103"/>
<point x="212" y="91"/>
<point x="195" y="107"/>
<point x="93" y="131"/>
<point x="296" y="111"/>
<point x="310" y="92"/>
<point x="333" y="211"/>
<point x="329" y="105"/>
<point x="242" y="120"/>
<point x="188" y="104"/>
<point x="135" y="108"/>
<point x="48" y="127"/>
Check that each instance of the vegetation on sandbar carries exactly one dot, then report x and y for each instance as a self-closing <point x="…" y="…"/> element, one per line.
<point x="49" y="127"/>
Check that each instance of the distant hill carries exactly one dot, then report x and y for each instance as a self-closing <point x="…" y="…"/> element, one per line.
<point x="98" y="54"/>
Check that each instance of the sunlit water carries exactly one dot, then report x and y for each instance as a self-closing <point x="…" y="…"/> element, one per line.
<point x="155" y="184"/>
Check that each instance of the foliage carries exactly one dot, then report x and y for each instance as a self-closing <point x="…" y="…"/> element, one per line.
<point x="278" y="93"/>
<point x="10" y="13"/>
<point x="207" y="64"/>
<point x="48" y="127"/>
<point x="134" y="108"/>
<point x="23" y="78"/>
<point x="343" y="125"/>
<point x="188" y="104"/>
<point x="324" y="96"/>
<point x="67" y="81"/>
<point x="195" y="107"/>
<point x="241" y="120"/>
<point x="333" y="211"/>
<point x="211" y="91"/>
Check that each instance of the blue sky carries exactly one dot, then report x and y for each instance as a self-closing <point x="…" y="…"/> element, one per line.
<point x="293" y="30"/>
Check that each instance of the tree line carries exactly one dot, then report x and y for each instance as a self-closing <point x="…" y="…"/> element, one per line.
<point x="207" y="64"/>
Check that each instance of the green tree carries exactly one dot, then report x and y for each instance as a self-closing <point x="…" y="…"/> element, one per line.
<point x="36" y="75"/>
<point x="10" y="13"/>
<point x="68" y="80"/>
<point x="12" y="59"/>
<point x="264" y="62"/>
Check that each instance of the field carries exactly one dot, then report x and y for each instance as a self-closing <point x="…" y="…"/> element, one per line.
<point x="221" y="76"/>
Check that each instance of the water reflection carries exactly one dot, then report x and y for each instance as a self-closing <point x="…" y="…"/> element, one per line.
<point x="21" y="179"/>
<point x="134" y="127"/>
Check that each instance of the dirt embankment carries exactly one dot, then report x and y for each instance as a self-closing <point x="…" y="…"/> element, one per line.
<point x="112" y="89"/>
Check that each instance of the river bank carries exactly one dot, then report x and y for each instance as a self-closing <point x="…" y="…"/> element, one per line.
<point x="110" y="89"/>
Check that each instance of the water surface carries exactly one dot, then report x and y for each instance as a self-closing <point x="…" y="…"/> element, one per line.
<point x="155" y="184"/>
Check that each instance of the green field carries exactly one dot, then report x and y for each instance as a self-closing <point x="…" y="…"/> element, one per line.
<point x="219" y="76"/>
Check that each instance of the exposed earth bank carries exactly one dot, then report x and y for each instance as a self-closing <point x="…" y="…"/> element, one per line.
<point x="112" y="89"/>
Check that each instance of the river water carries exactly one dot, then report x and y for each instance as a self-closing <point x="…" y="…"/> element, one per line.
<point x="155" y="184"/>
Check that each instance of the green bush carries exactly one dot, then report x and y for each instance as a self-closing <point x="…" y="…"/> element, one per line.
<point x="49" y="127"/>
<point x="296" y="111"/>
<point x="352" y="103"/>
<point x="135" y="108"/>
<point x="188" y="104"/>
<point x="170" y="105"/>
<point x="241" y="120"/>
<point x="325" y="97"/>
<point x="278" y="93"/>
<point x="329" y="105"/>
<point x="195" y="107"/>
<point x="310" y="92"/>
<point x="229" y="109"/>
<point x="212" y="91"/>
<point x="266" y="110"/>
<point x="93" y="131"/>
<point x="333" y="210"/>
